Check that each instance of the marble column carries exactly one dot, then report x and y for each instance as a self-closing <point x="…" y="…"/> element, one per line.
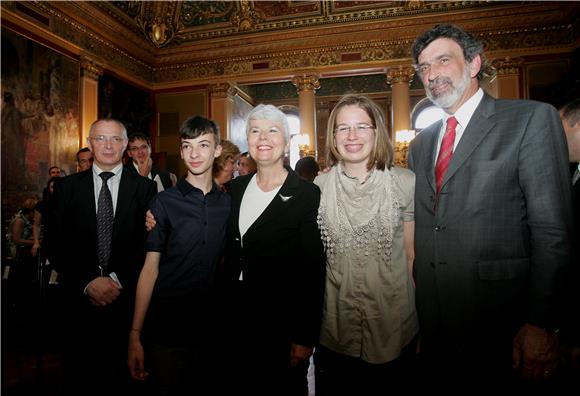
<point x="306" y="86"/>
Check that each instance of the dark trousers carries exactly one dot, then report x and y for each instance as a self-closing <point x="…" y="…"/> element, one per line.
<point x="182" y="370"/>
<point x="337" y="374"/>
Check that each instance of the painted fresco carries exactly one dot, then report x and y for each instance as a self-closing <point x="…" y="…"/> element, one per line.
<point x="40" y="116"/>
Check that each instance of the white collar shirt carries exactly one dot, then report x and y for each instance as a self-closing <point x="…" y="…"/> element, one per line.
<point x="463" y="116"/>
<point x="112" y="183"/>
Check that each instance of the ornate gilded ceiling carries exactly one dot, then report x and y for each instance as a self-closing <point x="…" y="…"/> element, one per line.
<point x="174" y="43"/>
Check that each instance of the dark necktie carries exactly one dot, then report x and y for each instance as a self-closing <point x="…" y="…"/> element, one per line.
<point x="445" y="152"/>
<point x="105" y="221"/>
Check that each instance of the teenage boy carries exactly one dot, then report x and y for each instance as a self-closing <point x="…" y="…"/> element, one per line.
<point x="175" y="301"/>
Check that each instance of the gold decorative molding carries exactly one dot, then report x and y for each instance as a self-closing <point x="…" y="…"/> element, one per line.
<point x="306" y="82"/>
<point x="400" y="74"/>
<point x="223" y="90"/>
<point x="247" y="18"/>
<point x="508" y="65"/>
<point x="147" y="44"/>
<point x="159" y="21"/>
<point x="91" y="68"/>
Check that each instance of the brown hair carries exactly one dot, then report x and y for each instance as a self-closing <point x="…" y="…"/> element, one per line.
<point x="229" y="152"/>
<point x="382" y="153"/>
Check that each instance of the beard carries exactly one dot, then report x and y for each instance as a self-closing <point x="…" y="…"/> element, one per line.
<point x="447" y="100"/>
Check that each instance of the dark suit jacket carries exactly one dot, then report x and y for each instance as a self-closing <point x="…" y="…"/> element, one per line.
<point x="283" y="262"/>
<point x="76" y="228"/>
<point x="163" y="174"/>
<point x="491" y="255"/>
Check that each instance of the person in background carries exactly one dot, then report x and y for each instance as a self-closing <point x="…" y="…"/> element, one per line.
<point x="366" y="217"/>
<point x="274" y="267"/>
<point x="246" y="164"/>
<point x="224" y="165"/>
<point x="44" y="223"/>
<point x="570" y="115"/>
<point x="174" y="323"/>
<point x="54" y="171"/>
<point x="307" y="167"/>
<point x="139" y="150"/>
<point x="493" y="219"/>
<point x="23" y="268"/>
<point x="99" y="215"/>
<point x="84" y="159"/>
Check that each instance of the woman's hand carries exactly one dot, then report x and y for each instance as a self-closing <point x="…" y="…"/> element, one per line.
<point x="150" y="222"/>
<point x="35" y="248"/>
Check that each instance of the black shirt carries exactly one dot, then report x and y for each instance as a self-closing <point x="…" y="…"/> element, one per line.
<point x="190" y="234"/>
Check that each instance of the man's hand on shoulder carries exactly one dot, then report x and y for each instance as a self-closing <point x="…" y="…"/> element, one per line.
<point x="150" y="222"/>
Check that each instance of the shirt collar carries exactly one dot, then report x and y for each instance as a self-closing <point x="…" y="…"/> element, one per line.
<point x="117" y="170"/>
<point x="185" y="187"/>
<point x="465" y="112"/>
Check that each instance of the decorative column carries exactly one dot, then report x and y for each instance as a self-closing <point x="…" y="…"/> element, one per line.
<point x="222" y="104"/>
<point x="322" y="116"/>
<point x="507" y="83"/>
<point x="399" y="78"/>
<point x="90" y="73"/>
<point x="306" y="85"/>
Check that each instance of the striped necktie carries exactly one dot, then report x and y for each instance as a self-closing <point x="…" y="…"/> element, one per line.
<point x="445" y="152"/>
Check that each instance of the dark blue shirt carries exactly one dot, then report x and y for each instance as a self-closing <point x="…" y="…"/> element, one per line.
<point x="189" y="234"/>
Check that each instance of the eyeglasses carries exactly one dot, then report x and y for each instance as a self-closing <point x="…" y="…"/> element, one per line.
<point x="101" y="139"/>
<point x="138" y="148"/>
<point x="358" y="128"/>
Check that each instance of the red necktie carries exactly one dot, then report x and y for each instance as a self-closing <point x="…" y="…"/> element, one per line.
<point x="445" y="152"/>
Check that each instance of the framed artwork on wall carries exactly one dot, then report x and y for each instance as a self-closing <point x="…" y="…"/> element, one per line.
<point x="40" y="115"/>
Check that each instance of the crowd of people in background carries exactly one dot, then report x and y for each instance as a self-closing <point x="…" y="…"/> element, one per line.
<point x="460" y="271"/>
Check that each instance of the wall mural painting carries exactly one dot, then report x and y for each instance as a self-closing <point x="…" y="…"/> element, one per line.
<point x="40" y="116"/>
<point x="126" y="103"/>
<point x="240" y="112"/>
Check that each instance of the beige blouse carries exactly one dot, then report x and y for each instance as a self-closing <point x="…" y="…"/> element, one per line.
<point x="369" y="305"/>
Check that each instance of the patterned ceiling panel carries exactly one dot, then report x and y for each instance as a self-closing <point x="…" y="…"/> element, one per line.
<point x="169" y="43"/>
<point x="204" y="13"/>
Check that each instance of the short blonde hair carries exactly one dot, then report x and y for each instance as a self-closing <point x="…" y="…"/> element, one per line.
<point x="382" y="153"/>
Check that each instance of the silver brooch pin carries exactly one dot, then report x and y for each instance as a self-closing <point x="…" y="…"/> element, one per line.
<point x="285" y="199"/>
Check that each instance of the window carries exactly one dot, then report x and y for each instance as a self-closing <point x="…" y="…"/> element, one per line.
<point x="424" y="114"/>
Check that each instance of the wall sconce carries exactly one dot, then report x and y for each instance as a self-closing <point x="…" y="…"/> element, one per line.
<point x="402" y="140"/>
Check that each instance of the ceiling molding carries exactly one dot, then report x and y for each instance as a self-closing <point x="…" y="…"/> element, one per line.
<point x="208" y="42"/>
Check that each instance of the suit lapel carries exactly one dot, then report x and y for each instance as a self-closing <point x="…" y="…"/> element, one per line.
<point x="237" y="203"/>
<point x="429" y="150"/>
<point x="127" y="188"/>
<point x="87" y="197"/>
<point x="479" y="126"/>
<point x="273" y="211"/>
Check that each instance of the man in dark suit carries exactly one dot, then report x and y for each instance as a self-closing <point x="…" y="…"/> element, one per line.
<point x="139" y="150"/>
<point x="99" y="278"/>
<point x="570" y="114"/>
<point x="492" y="218"/>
